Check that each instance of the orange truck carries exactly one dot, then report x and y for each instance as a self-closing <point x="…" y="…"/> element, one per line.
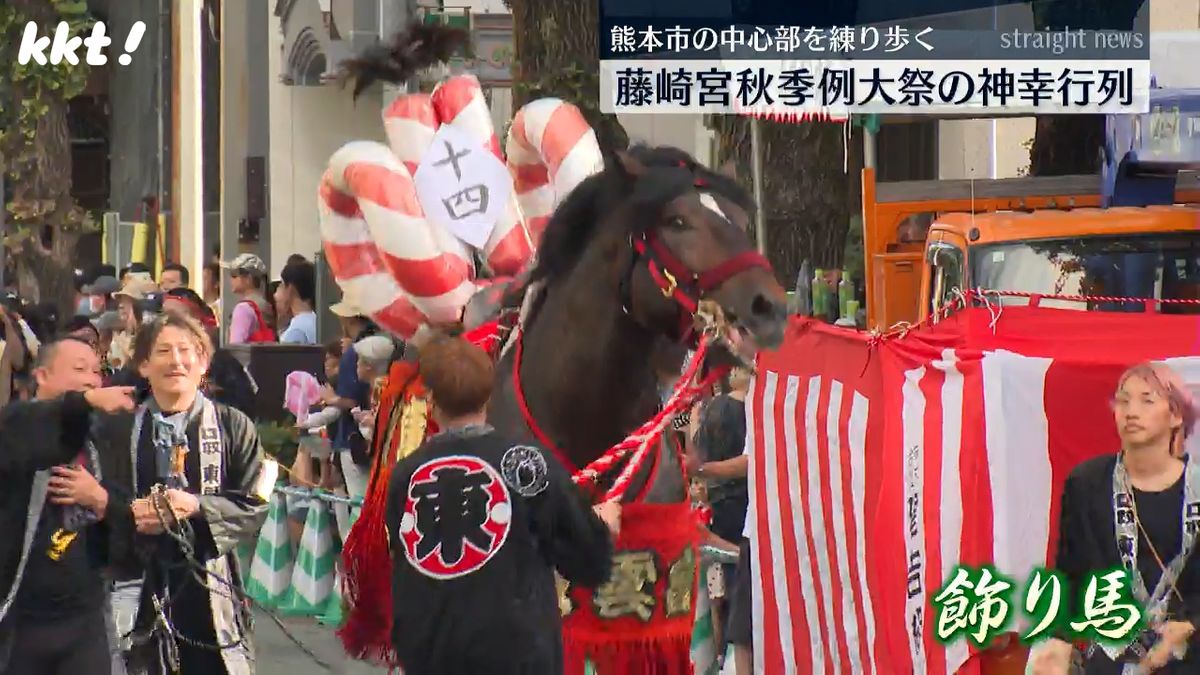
<point x="925" y="239"/>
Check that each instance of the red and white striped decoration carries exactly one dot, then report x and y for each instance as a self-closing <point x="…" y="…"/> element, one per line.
<point x="459" y="102"/>
<point x="551" y="149"/>
<point x="357" y="266"/>
<point x="876" y="468"/>
<point x="410" y="123"/>
<point x="431" y="266"/>
<point x="406" y="270"/>
<point x="809" y="516"/>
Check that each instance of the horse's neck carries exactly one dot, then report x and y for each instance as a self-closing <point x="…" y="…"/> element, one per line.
<point x="587" y="371"/>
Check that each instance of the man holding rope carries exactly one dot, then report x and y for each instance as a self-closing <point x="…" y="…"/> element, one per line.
<point x="477" y="526"/>
<point x="199" y="481"/>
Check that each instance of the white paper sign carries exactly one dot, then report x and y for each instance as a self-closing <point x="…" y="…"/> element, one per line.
<point x="462" y="186"/>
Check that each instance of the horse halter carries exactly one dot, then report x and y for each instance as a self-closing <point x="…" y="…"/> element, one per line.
<point x="676" y="281"/>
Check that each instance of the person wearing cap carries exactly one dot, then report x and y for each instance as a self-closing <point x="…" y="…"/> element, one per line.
<point x="253" y="316"/>
<point x="185" y="301"/>
<point x="374" y="356"/>
<point x="129" y="299"/>
<point x="100" y="293"/>
<point x="350" y="392"/>
<point x="137" y="271"/>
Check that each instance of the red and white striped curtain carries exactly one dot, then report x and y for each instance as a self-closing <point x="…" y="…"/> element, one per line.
<point x="878" y="467"/>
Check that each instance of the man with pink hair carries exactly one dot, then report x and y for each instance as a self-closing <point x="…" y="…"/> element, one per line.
<point x="1137" y="510"/>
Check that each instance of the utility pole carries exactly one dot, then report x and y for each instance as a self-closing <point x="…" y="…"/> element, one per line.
<point x="760" y="222"/>
<point x="188" y="150"/>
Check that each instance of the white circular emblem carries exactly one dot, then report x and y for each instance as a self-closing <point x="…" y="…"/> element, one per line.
<point x="501" y="513"/>
<point x="407" y="523"/>
<point x="524" y="469"/>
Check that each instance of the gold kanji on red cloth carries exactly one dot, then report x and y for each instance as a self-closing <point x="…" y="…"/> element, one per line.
<point x="630" y="590"/>
<point x="681" y="578"/>
<point x="563" y="588"/>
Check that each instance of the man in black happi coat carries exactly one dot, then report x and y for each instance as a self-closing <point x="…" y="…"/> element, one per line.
<point x="477" y="525"/>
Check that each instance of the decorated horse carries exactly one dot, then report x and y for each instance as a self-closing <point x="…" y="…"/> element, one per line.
<point x="622" y="270"/>
<point x="641" y="257"/>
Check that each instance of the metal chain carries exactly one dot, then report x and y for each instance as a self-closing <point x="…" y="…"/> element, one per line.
<point x="170" y="523"/>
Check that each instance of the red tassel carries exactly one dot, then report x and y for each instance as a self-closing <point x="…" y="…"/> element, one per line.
<point x="367" y="584"/>
<point x="653" y="656"/>
<point x="366" y="561"/>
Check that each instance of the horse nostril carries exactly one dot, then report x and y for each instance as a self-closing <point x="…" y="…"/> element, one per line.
<point x="763" y="307"/>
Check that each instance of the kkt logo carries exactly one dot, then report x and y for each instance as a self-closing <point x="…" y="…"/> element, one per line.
<point x="64" y="45"/>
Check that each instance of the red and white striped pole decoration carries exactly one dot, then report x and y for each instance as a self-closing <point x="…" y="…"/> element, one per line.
<point x="431" y="266"/>
<point x="357" y="266"/>
<point x="407" y="271"/>
<point x="410" y="123"/>
<point x="551" y="149"/>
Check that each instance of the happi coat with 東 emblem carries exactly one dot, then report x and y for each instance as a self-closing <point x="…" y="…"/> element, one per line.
<point x="212" y="451"/>
<point x="477" y="525"/>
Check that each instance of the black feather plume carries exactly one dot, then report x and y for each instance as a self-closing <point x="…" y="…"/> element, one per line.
<point x="410" y="51"/>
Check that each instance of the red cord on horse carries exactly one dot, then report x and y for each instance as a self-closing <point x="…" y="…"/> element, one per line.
<point x="641" y="441"/>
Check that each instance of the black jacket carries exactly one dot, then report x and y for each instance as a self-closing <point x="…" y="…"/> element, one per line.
<point x="502" y="617"/>
<point x="34" y="435"/>
<point x="1087" y="544"/>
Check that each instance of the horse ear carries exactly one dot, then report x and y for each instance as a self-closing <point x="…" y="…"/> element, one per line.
<point x="630" y="164"/>
<point x="728" y="169"/>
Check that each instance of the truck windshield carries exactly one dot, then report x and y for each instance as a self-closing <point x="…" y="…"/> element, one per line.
<point x="1161" y="266"/>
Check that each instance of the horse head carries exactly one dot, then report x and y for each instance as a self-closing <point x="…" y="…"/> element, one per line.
<point x="689" y="244"/>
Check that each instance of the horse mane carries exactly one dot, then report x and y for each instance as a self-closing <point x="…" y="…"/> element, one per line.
<point x="670" y="172"/>
<point x="411" y="50"/>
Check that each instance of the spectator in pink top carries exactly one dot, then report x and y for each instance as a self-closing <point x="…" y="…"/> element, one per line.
<point x="253" y="319"/>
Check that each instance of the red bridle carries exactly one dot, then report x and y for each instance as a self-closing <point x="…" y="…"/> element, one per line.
<point x="681" y="284"/>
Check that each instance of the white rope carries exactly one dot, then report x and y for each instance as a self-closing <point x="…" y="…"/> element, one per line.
<point x="994" y="312"/>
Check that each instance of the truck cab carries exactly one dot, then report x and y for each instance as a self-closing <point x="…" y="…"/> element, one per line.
<point x="1131" y="232"/>
<point x="1148" y="252"/>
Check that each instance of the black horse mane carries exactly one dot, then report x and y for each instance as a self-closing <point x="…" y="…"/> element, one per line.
<point x="670" y="173"/>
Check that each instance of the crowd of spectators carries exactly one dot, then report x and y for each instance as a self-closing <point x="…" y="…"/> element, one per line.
<point x="110" y="305"/>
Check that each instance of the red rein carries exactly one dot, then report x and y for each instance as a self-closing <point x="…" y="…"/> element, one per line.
<point x="641" y="442"/>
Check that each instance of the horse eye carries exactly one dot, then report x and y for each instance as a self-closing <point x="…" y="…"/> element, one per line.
<point x="677" y="222"/>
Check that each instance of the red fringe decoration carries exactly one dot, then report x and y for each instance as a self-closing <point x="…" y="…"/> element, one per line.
<point x="628" y="645"/>
<point x="367" y="586"/>
<point x="366" y="561"/>
<point x="667" y="655"/>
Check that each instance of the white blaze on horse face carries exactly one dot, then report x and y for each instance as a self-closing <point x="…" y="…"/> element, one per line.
<point x="710" y="203"/>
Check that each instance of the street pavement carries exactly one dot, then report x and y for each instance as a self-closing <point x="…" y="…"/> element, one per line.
<point x="277" y="655"/>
